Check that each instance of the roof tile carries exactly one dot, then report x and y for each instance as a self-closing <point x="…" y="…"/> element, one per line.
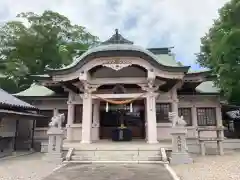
<point x="9" y="100"/>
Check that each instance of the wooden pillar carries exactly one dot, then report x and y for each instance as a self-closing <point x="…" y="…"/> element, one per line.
<point x="175" y="100"/>
<point x="194" y="120"/>
<point x="70" y="120"/>
<point x="96" y="120"/>
<point x="16" y="134"/>
<point x="219" y="119"/>
<point x="33" y="130"/>
<point x="151" y="118"/>
<point x="175" y="106"/>
<point x="220" y="134"/>
<point x="70" y="117"/>
<point x="194" y="116"/>
<point x="146" y="117"/>
<point x="87" y="118"/>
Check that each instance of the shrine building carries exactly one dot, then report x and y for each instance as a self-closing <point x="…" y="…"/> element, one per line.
<point x="120" y="85"/>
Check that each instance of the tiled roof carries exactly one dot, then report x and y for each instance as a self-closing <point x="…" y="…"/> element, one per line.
<point x="8" y="100"/>
<point x="125" y="47"/>
<point x="118" y="43"/>
<point x="192" y="71"/>
<point x="36" y="90"/>
<point x="26" y="113"/>
<point x="167" y="60"/>
<point x="207" y="87"/>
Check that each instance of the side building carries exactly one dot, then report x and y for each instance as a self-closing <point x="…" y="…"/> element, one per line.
<point x="17" y="123"/>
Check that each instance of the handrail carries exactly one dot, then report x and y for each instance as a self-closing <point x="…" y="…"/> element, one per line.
<point x="164" y="155"/>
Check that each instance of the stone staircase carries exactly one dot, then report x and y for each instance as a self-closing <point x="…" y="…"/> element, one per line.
<point x="117" y="153"/>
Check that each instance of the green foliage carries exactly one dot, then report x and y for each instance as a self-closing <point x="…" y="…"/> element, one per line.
<point x="220" y="50"/>
<point x="37" y="42"/>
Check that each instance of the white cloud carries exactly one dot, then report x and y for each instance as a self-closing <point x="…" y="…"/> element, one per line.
<point x="159" y="22"/>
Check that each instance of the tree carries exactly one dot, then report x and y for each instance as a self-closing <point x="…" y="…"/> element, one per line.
<point x="220" y="50"/>
<point x="37" y="42"/>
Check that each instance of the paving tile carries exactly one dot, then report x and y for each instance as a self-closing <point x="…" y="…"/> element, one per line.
<point x="75" y="171"/>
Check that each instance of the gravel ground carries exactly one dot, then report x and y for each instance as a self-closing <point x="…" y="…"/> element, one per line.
<point x="25" y="168"/>
<point x="211" y="167"/>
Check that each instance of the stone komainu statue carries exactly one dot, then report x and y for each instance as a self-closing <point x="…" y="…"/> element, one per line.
<point x="57" y="121"/>
<point x="176" y="120"/>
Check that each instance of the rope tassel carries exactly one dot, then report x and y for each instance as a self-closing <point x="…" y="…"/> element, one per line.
<point x="131" y="107"/>
<point x="106" y="106"/>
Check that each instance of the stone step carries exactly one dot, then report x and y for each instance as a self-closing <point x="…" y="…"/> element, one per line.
<point x="121" y="146"/>
<point x="100" y="155"/>
<point x="78" y="158"/>
<point x="115" y="162"/>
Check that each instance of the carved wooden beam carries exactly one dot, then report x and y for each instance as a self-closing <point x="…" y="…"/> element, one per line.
<point x="79" y="85"/>
<point x="117" y="64"/>
<point x="87" y="87"/>
<point x="151" y="88"/>
<point x="70" y="87"/>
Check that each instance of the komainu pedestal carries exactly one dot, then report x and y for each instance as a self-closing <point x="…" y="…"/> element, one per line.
<point x="55" y="139"/>
<point x="179" y="145"/>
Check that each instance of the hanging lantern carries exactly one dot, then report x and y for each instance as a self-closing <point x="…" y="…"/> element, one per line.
<point x="106" y="106"/>
<point x="131" y="107"/>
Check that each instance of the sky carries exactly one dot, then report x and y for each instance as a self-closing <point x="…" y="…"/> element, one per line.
<point x="149" y="23"/>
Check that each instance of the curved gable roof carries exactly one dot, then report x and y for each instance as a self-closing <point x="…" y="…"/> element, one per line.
<point x="119" y="50"/>
<point x="117" y="45"/>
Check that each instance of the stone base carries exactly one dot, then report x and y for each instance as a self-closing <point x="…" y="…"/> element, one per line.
<point x="86" y="142"/>
<point x="152" y="142"/>
<point x="53" y="157"/>
<point x="44" y="147"/>
<point x="180" y="158"/>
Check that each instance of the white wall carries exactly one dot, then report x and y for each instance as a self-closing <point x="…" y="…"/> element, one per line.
<point x="188" y="101"/>
<point x="46" y="104"/>
<point x="163" y="129"/>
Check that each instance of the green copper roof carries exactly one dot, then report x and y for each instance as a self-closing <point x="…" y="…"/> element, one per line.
<point x="192" y="71"/>
<point x="167" y="60"/>
<point x="207" y="87"/>
<point x="117" y="45"/>
<point x="36" y="90"/>
<point x="160" y="59"/>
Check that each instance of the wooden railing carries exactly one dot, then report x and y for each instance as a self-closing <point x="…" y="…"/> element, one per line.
<point x="218" y="139"/>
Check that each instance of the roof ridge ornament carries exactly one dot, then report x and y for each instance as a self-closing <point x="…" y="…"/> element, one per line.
<point x="117" y="35"/>
<point x="117" y="38"/>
